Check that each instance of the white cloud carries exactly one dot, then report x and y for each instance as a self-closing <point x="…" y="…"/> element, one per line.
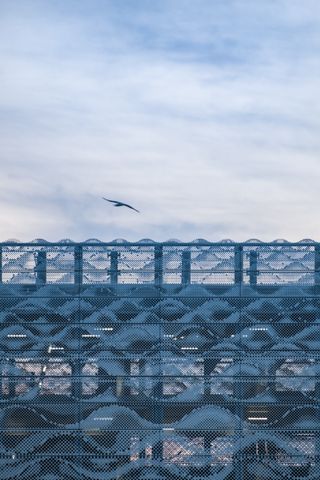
<point x="205" y="118"/>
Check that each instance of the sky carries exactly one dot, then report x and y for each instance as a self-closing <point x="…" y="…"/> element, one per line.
<point x="202" y="114"/>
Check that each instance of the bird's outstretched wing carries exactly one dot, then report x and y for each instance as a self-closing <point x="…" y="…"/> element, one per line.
<point x="117" y="203"/>
<point x="129" y="206"/>
<point x="112" y="201"/>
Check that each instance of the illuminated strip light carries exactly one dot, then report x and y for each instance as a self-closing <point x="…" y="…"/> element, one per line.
<point x="51" y="348"/>
<point x="103" y="418"/>
<point x="16" y="335"/>
<point x="105" y="329"/>
<point x="258" y="418"/>
<point x="168" y="429"/>
<point x="90" y="336"/>
<point x="189" y="348"/>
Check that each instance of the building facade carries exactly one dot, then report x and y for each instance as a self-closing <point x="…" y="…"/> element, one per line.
<point x="159" y="360"/>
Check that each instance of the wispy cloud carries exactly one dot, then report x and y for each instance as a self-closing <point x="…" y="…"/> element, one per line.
<point x="202" y="114"/>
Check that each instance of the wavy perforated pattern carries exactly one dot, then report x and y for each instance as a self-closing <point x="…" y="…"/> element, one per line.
<point x="159" y="362"/>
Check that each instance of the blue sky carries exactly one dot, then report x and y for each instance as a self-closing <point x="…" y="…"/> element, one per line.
<point x="203" y="114"/>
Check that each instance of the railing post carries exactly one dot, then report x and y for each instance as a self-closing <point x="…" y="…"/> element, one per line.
<point x="186" y="268"/>
<point x="238" y="264"/>
<point x="41" y="268"/>
<point x="78" y="265"/>
<point x="114" y="272"/>
<point x="253" y="271"/>
<point x="317" y="265"/>
<point x="158" y="265"/>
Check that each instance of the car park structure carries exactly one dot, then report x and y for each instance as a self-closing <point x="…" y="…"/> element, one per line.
<point x="147" y="360"/>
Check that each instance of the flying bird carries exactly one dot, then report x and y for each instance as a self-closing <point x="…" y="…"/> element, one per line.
<point x="120" y="204"/>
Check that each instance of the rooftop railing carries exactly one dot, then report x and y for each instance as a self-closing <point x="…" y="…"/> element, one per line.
<point x="204" y="263"/>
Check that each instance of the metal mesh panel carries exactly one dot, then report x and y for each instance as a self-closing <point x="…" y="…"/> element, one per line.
<point x="159" y="361"/>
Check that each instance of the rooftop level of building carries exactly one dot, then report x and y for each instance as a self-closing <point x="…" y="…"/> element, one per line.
<point x="200" y="262"/>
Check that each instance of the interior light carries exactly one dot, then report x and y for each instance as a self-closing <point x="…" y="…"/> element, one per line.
<point x="16" y="335"/>
<point x="103" y="418"/>
<point x="257" y="418"/>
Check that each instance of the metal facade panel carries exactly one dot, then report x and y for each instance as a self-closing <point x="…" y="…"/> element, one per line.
<point x="159" y="361"/>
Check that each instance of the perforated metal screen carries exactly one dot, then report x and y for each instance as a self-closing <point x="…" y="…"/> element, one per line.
<point x="159" y="361"/>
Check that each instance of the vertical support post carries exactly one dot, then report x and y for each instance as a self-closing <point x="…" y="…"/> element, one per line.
<point x="238" y="278"/>
<point x="238" y="264"/>
<point x="76" y="386"/>
<point x="208" y="367"/>
<point x="186" y="268"/>
<point x="78" y="265"/>
<point x="123" y="381"/>
<point x="253" y="271"/>
<point x="76" y="378"/>
<point x="317" y="384"/>
<point x="238" y="393"/>
<point x="12" y="386"/>
<point x="11" y="379"/>
<point x="158" y="265"/>
<point x="317" y="266"/>
<point x="317" y="434"/>
<point x="0" y="264"/>
<point x="157" y="449"/>
<point x="114" y="272"/>
<point x="41" y="268"/>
